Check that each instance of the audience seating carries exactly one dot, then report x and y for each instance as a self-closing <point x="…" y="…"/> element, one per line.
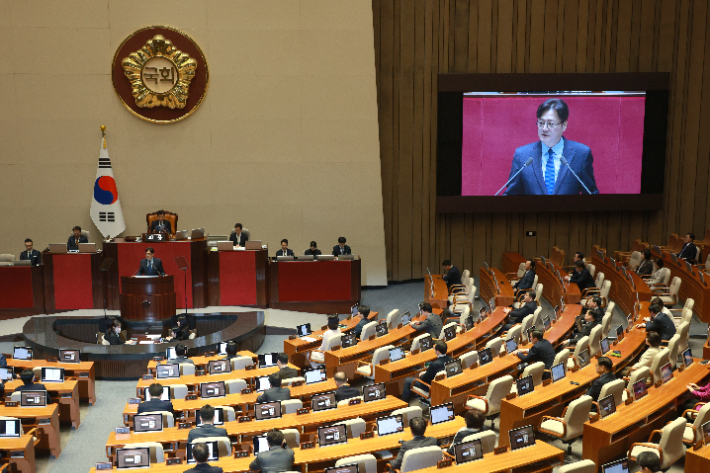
<point x="292" y="437"/>
<point x="661" y="359"/>
<point x="693" y="432"/>
<point x="366" y="463"/>
<point x="595" y="337"/>
<point x="582" y="466"/>
<point x="368" y="369"/>
<point x="615" y="388"/>
<point x="582" y="344"/>
<point x="419" y="458"/>
<point x="488" y="440"/>
<point x="571" y="425"/>
<point x="536" y="370"/>
<point x="318" y="356"/>
<point x="490" y="403"/>
<point x="241" y="362"/>
<point x="290" y="406"/>
<point x="354" y="427"/>
<point x="669" y="448"/>
<point x="408" y="413"/>
<point x="636" y="375"/>
<point x="157" y="455"/>
<point x="394" y="318"/>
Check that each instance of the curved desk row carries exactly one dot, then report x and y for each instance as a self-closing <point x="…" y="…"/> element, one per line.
<point x="691" y="285"/>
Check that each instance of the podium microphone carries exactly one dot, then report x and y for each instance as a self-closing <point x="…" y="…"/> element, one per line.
<point x="527" y="163"/>
<point x="563" y="160"/>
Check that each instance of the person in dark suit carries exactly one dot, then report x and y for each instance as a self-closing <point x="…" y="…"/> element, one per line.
<point x="646" y="266"/>
<point x="113" y="335"/>
<point x="548" y="175"/>
<point x="659" y="322"/>
<point x="528" y="278"/>
<point x="581" y="276"/>
<point x="341" y="248"/>
<point x="434" y="367"/>
<point x="285" y="371"/>
<point x="649" y="462"/>
<point x="28" y="382"/>
<point x="343" y="390"/>
<point x="418" y="427"/>
<point x="75" y="239"/>
<point x="475" y="421"/>
<point x="181" y="331"/>
<point x="313" y="250"/>
<point x="689" y="250"/>
<point x="207" y="429"/>
<point x="161" y="225"/>
<point x="606" y="375"/>
<point x="275" y="392"/>
<point x="34" y="256"/>
<point x="592" y="318"/>
<point x="151" y="266"/>
<point x="155" y="404"/>
<point x="452" y="276"/>
<point x="432" y="324"/>
<point x="279" y="457"/>
<point x="238" y="237"/>
<point x="284" y="251"/>
<point x="181" y="353"/>
<point x="363" y="312"/>
<point x="201" y="454"/>
<point x="528" y="307"/>
<point x="541" y="351"/>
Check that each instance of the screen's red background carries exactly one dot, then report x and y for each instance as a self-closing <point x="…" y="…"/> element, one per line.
<point x="493" y="127"/>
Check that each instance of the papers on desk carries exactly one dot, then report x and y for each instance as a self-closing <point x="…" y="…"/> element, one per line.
<point x="143" y="342"/>
<point x="239" y="248"/>
<point x="309" y="339"/>
<point x="152" y="337"/>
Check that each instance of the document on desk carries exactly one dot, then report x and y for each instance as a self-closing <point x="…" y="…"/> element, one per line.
<point x="143" y="342"/>
<point x="153" y="337"/>
<point x="309" y="339"/>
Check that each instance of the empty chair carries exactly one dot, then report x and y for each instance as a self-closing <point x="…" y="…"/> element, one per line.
<point x="290" y="406"/>
<point x="689" y="304"/>
<point x="157" y="455"/>
<point x="235" y="386"/>
<point x="488" y="440"/>
<point x="366" y="463"/>
<point x="582" y="344"/>
<point x="495" y="345"/>
<point x="659" y="361"/>
<point x="615" y="388"/>
<point x="561" y="357"/>
<point x="463" y="303"/>
<point x="673" y="345"/>
<point x="353" y="427"/>
<point x="168" y="419"/>
<point x="663" y="279"/>
<point x="582" y="466"/>
<point x="318" y="356"/>
<point x="408" y="413"/>
<point x="595" y="337"/>
<point x="368" y="330"/>
<point x="515" y="333"/>
<point x="525" y="325"/>
<point x="610" y="306"/>
<point x="228" y="412"/>
<point x="394" y="318"/>
<point x="669" y="448"/>
<point x="465" y="274"/>
<point x="490" y="403"/>
<point x="241" y="362"/>
<point x="292" y="437"/>
<point x="537" y="322"/>
<point x="178" y="391"/>
<point x="694" y="432"/>
<point x="368" y="369"/>
<point x="187" y="369"/>
<point x="606" y="324"/>
<point x="592" y="269"/>
<point x="536" y="370"/>
<point x="571" y="425"/>
<point x="467" y="359"/>
<point x="682" y="332"/>
<point x="457" y="292"/>
<point x="635" y="259"/>
<point x="634" y="376"/>
<point x="686" y="315"/>
<point x="670" y="298"/>
<point x="415" y="342"/>
<point x="223" y="444"/>
<point x="419" y="458"/>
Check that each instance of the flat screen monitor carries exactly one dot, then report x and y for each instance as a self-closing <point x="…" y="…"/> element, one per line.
<point x="546" y="322"/>
<point x="468" y="451"/>
<point x="521" y="437"/>
<point x="333" y="435"/>
<point x="558" y="372"/>
<point x="212" y="452"/>
<point x="510" y="345"/>
<point x="262" y="383"/>
<point x="267" y="360"/>
<point x="22" y="353"/>
<point x="390" y="425"/>
<point x="6" y="373"/>
<point x="52" y="375"/>
<point x="147" y="423"/>
<point x="354" y="310"/>
<point x="323" y="401"/>
<point x="304" y="330"/>
<point x="381" y="329"/>
<point x="315" y="376"/>
<point x="222" y="348"/>
<point x="442" y="413"/>
<point x="133" y="458"/>
<point x="639" y="388"/>
<point x="425" y="343"/>
<point x="583" y="358"/>
<point x="10" y="428"/>
<point x="343" y="469"/>
<point x="219" y="366"/>
<point x="687" y="357"/>
<point x="267" y="410"/>
<point x="525" y="385"/>
<point x="69" y="356"/>
<point x="167" y="371"/>
<point x="348" y="340"/>
<point x="607" y="406"/>
<point x="212" y="389"/>
<point x="449" y="333"/>
<point x="261" y="445"/>
<point x="396" y="354"/>
<point x="706" y="432"/>
<point x="485" y="356"/>
<point x="163" y="397"/>
<point x="374" y="392"/>
<point x="666" y="372"/>
<point x="619" y="331"/>
<point x="33" y="398"/>
<point x="453" y="368"/>
<point x="217" y="420"/>
<point x="604" y="342"/>
<point x="170" y="353"/>
<point x="406" y="319"/>
<point x="617" y="466"/>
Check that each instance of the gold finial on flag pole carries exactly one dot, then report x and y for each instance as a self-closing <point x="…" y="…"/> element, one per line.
<point x="103" y="134"/>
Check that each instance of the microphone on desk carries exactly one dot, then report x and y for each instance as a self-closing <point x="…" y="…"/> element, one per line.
<point x="527" y="163"/>
<point x="563" y="160"/>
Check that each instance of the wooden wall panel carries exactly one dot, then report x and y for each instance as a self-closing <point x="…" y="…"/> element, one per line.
<point x="416" y="40"/>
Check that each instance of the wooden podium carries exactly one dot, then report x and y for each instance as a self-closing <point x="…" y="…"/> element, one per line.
<point x="147" y="298"/>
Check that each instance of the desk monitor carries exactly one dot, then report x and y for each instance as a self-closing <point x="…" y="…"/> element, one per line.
<point x="22" y="262"/>
<point x="304" y="330"/>
<point x="315" y="376"/>
<point x="521" y="437"/>
<point x="22" y="353"/>
<point x="583" y="358"/>
<point x="687" y="357"/>
<point x="267" y="410"/>
<point x="323" y="401"/>
<point x="55" y="248"/>
<point x="343" y="469"/>
<point x="253" y="245"/>
<point x="381" y="328"/>
<point x="390" y="425"/>
<point x="69" y="356"/>
<point x="181" y="235"/>
<point x="469" y="322"/>
<point x="510" y="345"/>
<point x="348" y="340"/>
<point x="285" y="258"/>
<point x="449" y="333"/>
<point x="219" y="366"/>
<point x="167" y="371"/>
<point x="52" y="375"/>
<point x="354" y="310"/>
<point x="212" y="389"/>
<point x="196" y="233"/>
<point x="485" y="356"/>
<point x="453" y="368"/>
<point x="346" y="257"/>
<point x="468" y="451"/>
<point x="163" y="397"/>
<point x="260" y="444"/>
<point x="558" y="372"/>
<point x="374" y="392"/>
<point x="266" y="360"/>
<point x="674" y="258"/>
<point x="607" y="406"/>
<point x="425" y="343"/>
<point x="33" y="398"/>
<point x="262" y="383"/>
<point x="222" y="348"/>
<point x="442" y="413"/>
<point x="306" y="258"/>
<point x="705" y="428"/>
<point x="406" y="319"/>
<point x="212" y="452"/>
<point x="617" y="466"/>
<point x="639" y="388"/>
<point x="10" y="428"/>
<point x="546" y="322"/>
<point x="170" y="354"/>
<point x="133" y="458"/>
<point x="6" y="373"/>
<point x="225" y="246"/>
<point x="619" y="331"/>
<point x="325" y="258"/>
<point x="147" y="423"/>
<point x="525" y="385"/>
<point x="218" y="417"/>
<point x="396" y="354"/>
<point x="87" y="247"/>
<point x="332" y="435"/>
<point x="666" y="372"/>
<point x="604" y="342"/>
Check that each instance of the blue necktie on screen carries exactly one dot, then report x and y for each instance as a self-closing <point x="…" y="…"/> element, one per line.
<point x="550" y="172"/>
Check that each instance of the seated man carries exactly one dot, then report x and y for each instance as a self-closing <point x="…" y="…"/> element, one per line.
<point x="541" y="351"/>
<point x="592" y="318"/>
<point x="75" y="239"/>
<point x="516" y="316"/>
<point x="238" y="237"/>
<point x="452" y="276"/>
<point x="275" y="392"/>
<point x="659" y="322"/>
<point x="201" y="453"/>
<point x="689" y="249"/>
<point x="181" y="352"/>
<point x="207" y="429"/>
<point x="432" y="324"/>
<point x="649" y="462"/>
<point x="344" y="390"/>
<point x="161" y="225"/>
<point x="313" y="250"/>
<point x="341" y="248"/>
<point x="418" y="427"/>
<point x="285" y="371"/>
<point x="113" y="336"/>
<point x="28" y="379"/>
<point x="155" y="404"/>
<point x="279" y="457"/>
<point x="528" y="278"/>
<point x="151" y="266"/>
<point x="581" y="276"/>
<point x="475" y="421"/>
<point x="34" y="256"/>
<point x="606" y="375"/>
<point x="435" y="366"/>
<point x="363" y="312"/>
<point x="284" y="251"/>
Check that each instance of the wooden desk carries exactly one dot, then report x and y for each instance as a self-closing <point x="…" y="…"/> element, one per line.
<point x="697" y="460"/>
<point x="610" y="438"/>
<point x="46" y="419"/>
<point x="621" y="291"/>
<point x="84" y="371"/>
<point x="22" y="287"/>
<point x="691" y="286"/>
<point x="488" y="289"/>
<point x="553" y="289"/>
<point x="68" y="398"/>
<point x="440" y="298"/>
<point x="204" y="360"/>
<point x="24" y="445"/>
<point x="238" y="278"/>
<point x="72" y="281"/>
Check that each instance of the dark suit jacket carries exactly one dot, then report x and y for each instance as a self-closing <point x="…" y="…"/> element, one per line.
<point x="531" y="182"/>
<point x="597" y="385"/>
<point x="206" y="430"/>
<point x="243" y="238"/>
<point x="541" y="351"/>
<point x="585" y="332"/>
<point x="583" y="279"/>
<point x="113" y="338"/>
<point x="662" y="324"/>
<point x="182" y="334"/>
<point x="289" y="252"/>
<point x="288" y="372"/>
<point x="157" y="267"/>
<point x="35" y="257"/>
<point x="346" y="392"/>
<point x="336" y="250"/>
<point x="204" y="468"/>
<point x="453" y="276"/>
<point x="32" y="387"/>
<point x="431" y="324"/>
<point x="434" y="367"/>
<point x="516" y="316"/>
<point x="645" y="268"/>
<point x="274" y="394"/>
<point x="416" y="442"/>
<point x="71" y="242"/>
<point x="276" y="459"/>
<point x="181" y="359"/>
<point x="688" y="252"/>
<point x="156" y="405"/>
<point x="360" y="325"/>
<point x="315" y="252"/>
<point x="155" y="223"/>
<point x="526" y="281"/>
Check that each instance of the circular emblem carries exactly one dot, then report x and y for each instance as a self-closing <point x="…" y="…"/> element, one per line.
<point x="160" y="74"/>
<point x="105" y="191"/>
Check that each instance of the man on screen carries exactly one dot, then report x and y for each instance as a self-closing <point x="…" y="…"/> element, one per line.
<point x="548" y="174"/>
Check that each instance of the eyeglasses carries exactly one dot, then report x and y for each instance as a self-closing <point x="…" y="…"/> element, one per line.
<point x="550" y="125"/>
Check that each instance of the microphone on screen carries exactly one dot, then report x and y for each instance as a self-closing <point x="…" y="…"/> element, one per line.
<point x="563" y="160"/>
<point x="527" y="163"/>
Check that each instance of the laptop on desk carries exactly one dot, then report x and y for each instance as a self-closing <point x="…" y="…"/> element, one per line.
<point x="23" y="262"/>
<point x="252" y="245"/>
<point x="225" y="246"/>
<point x="181" y="235"/>
<point x="56" y="248"/>
<point x="87" y="247"/>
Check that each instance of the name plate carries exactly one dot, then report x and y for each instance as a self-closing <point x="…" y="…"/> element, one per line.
<point x="104" y="465"/>
<point x="511" y="396"/>
<point x="367" y="435"/>
<point x="10" y="403"/>
<point x="499" y="450"/>
<point x="241" y="454"/>
<point x="296" y="384"/>
<point x="134" y="400"/>
<point x="147" y="376"/>
<point x="155" y="237"/>
<point x="191" y="397"/>
<point x="243" y="419"/>
<point x="173" y="461"/>
<point x="443" y="464"/>
<point x="247" y="391"/>
<point x="184" y="425"/>
<point x="416" y="352"/>
<point x="303" y="410"/>
<point x="290" y="337"/>
<point x="439" y="377"/>
<point x="157" y="358"/>
<point x="84" y="375"/>
<point x="52" y="360"/>
<point x="354" y="402"/>
<point x="307" y="445"/>
<point x="250" y="367"/>
<point x="122" y="430"/>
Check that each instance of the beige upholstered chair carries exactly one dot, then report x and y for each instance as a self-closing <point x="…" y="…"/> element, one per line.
<point x="292" y="437"/>
<point x="562" y="357"/>
<point x="536" y="370"/>
<point x="443" y="329"/>
<point x="228" y="411"/>
<point x="615" y="388"/>
<point x="7" y="258"/>
<point x="488" y="440"/>
<point x="489" y="404"/>
<point x="415" y="342"/>
<point x="290" y="406"/>
<point x="570" y="426"/>
<point x="582" y="466"/>
<point x="408" y="413"/>
<point x="235" y="386"/>
<point x="606" y="323"/>
<point x="157" y="455"/>
<point x="595" y="337"/>
<point x="636" y="375"/>
<point x="187" y="369"/>
<point x="682" y="331"/>
<point x="223" y="444"/>
<point x="241" y="362"/>
<point x="670" y="298"/>
<point x="168" y="418"/>
<point x="661" y="359"/>
<point x="318" y="356"/>
<point x="693" y="432"/>
<point x="368" y="369"/>
<point x="178" y="391"/>
<point x="354" y="427"/>
<point x="419" y="458"/>
<point x="366" y="463"/>
<point x="467" y="359"/>
<point x="368" y="330"/>
<point x="394" y="318"/>
<point x="673" y="346"/>
<point x="495" y="344"/>
<point x="515" y="333"/>
<point x="582" y="344"/>
<point x="669" y="448"/>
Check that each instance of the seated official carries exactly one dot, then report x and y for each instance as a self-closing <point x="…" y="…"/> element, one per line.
<point x="313" y="250"/>
<point x="34" y="256"/>
<point x="475" y="421"/>
<point x="452" y="276"/>
<point x="75" y="239"/>
<point x="201" y="453"/>
<point x="592" y="318"/>
<point x="363" y="312"/>
<point x="432" y="324"/>
<point x="418" y="427"/>
<point x="161" y="225"/>
<point x="653" y="348"/>
<point x="581" y="276"/>
<point x="151" y="266"/>
<point x="231" y="351"/>
<point x="527" y="307"/>
<point x="541" y="351"/>
<point x="275" y="392"/>
<point x="181" y="353"/>
<point x="155" y="404"/>
<point x="341" y="248"/>
<point x="285" y="371"/>
<point x="113" y="335"/>
<point x="279" y="457"/>
<point x="606" y="375"/>
<point x="28" y="382"/>
<point x="284" y="251"/>
<point x="689" y="249"/>
<point x="528" y="278"/>
<point x="440" y="349"/>
<point x="658" y="322"/>
<point x="657" y="276"/>
<point x="343" y="390"/>
<point x="649" y="462"/>
<point x="207" y="429"/>
<point x="333" y="330"/>
<point x="578" y="256"/>
<point x="238" y="237"/>
<point x="646" y="266"/>
<point x="181" y="331"/>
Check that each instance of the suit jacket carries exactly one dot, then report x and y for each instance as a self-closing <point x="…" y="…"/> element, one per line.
<point x="647" y="357"/>
<point x="453" y="276"/>
<point x="276" y="459"/>
<point x="289" y="252"/>
<point x="645" y="268"/>
<point x="156" y="270"/>
<point x="156" y="405"/>
<point x="155" y="223"/>
<point x="431" y="324"/>
<point x="35" y="257"/>
<point x="315" y="252"/>
<point x="274" y="394"/>
<point x="346" y="392"/>
<point x="526" y="281"/>
<point x="585" y="332"/>
<point x="598" y="384"/>
<point x="206" y="430"/>
<point x="288" y="372"/>
<point x="243" y="238"/>
<point x="416" y="442"/>
<point x="688" y="252"/>
<point x="541" y="351"/>
<point x="531" y="182"/>
<point x="71" y="242"/>
<point x="32" y="387"/>
<point x="182" y="334"/>
<point x="583" y="279"/>
<point x="113" y="338"/>
<point x="516" y="316"/>
<point x="360" y="325"/>
<point x="336" y="250"/>
<point x="662" y="324"/>
<point x="434" y="367"/>
<point x="204" y="468"/>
